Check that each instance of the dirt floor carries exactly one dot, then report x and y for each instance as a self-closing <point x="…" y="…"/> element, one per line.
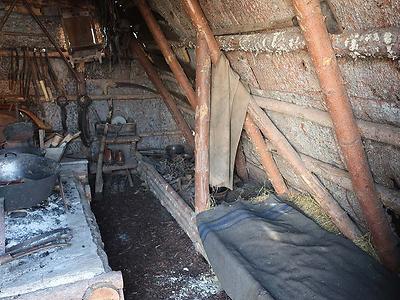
<point x="157" y="259"/>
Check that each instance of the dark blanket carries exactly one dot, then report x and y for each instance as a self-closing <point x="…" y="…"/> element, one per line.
<point x="270" y="250"/>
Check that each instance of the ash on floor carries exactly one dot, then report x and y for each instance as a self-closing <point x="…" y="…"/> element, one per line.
<point x="25" y="224"/>
<point x="157" y="259"/>
<point x="80" y="258"/>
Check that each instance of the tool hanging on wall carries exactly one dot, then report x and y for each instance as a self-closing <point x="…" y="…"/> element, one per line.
<point x="45" y="73"/>
<point x="45" y="31"/>
<point x="31" y="68"/>
<point x="39" y="73"/>
<point x="13" y="71"/>
<point x="84" y="102"/>
<point x="35" y="75"/>
<point x="62" y="102"/>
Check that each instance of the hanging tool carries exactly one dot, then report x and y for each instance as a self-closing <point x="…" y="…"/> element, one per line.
<point x="22" y="74"/>
<point x="46" y="73"/>
<point x="40" y="75"/>
<point x="13" y="71"/>
<point x="53" y="75"/>
<point x="54" y="80"/>
<point x="62" y="102"/>
<point x="10" y="71"/>
<point x="17" y="74"/>
<point x="35" y="77"/>
<point x="84" y="102"/>
<point x="46" y="32"/>
<point x="26" y="74"/>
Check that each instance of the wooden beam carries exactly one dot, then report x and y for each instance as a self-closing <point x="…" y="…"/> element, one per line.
<point x="314" y="186"/>
<point x="52" y="54"/>
<point x="169" y="198"/>
<point x="379" y="132"/>
<point x="166" y="95"/>
<point x="320" y="49"/>
<point x="266" y="159"/>
<point x="389" y="197"/>
<point x="377" y="42"/>
<point x="202" y="121"/>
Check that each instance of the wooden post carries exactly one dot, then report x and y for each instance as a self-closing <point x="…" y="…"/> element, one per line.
<point x="99" y="171"/>
<point x="165" y="94"/>
<point x="319" y="46"/>
<point x="167" y="52"/>
<point x="265" y="155"/>
<point x="240" y="163"/>
<point x="41" y="138"/>
<point x="2" y="228"/>
<point x="202" y="120"/>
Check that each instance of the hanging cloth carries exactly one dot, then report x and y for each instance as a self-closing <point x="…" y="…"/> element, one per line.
<point x="229" y="100"/>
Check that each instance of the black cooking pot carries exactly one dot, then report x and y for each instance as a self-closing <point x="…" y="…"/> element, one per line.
<point x="26" y="179"/>
<point x="24" y="149"/>
<point x="19" y="131"/>
<point x="174" y="150"/>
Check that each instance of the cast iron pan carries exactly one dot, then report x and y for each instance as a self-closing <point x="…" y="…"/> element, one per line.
<point x="26" y="179"/>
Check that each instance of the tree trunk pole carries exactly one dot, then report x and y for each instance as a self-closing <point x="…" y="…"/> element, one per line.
<point x="165" y="94"/>
<point x="202" y="121"/>
<point x="323" y="57"/>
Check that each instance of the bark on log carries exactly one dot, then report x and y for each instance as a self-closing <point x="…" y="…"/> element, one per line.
<point x="377" y="42"/>
<point x="322" y="196"/>
<point x="167" y="97"/>
<point x="202" y="120"/>
<point x="319" y="47"/>
<point x="267" y="161"/>
<point x="379" y="132"/>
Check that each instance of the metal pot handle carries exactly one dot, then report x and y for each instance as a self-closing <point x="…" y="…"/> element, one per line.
<point x="10" y="154"/>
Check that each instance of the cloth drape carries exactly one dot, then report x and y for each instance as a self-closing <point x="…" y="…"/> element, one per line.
<point x="229" y="101"/>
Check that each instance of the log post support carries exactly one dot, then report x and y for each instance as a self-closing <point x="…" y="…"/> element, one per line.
<point x="314" y="186"/>
<point x="266" y="159"/>
<point x="202" y="128"/>
<point x="167" y="52"/>
<point x="240" y="163"/>
<point x="323" y="57"/>
<point x="165" y="94"/>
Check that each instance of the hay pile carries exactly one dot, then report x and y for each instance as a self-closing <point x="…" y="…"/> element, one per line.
<point x="311" y="209"/>
<point x="262" y="195"/>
